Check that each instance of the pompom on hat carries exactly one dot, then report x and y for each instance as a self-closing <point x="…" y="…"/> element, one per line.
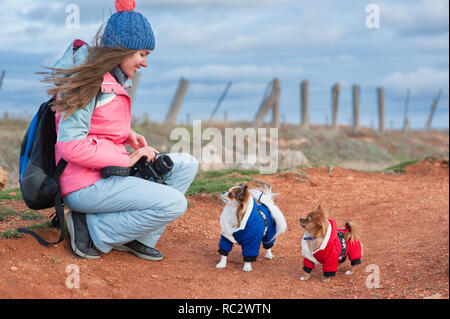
<point x="128" y="29"/>
<point x="125" y="5"/>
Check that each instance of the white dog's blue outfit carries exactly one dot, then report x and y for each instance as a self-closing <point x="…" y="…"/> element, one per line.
<point x="257" y="227"/>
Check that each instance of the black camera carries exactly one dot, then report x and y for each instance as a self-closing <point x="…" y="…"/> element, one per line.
<point x="155" y="170"/>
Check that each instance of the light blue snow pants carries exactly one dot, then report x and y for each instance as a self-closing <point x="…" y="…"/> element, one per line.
<point x="122" y="209"/>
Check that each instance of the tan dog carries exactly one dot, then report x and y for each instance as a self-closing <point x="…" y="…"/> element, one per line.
<point x="323" y="243"/>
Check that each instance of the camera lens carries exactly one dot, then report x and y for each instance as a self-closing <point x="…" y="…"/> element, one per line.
<point x="163" y="164"/>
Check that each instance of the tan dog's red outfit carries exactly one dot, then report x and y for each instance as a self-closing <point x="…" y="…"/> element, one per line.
<point x="333" y="250"/>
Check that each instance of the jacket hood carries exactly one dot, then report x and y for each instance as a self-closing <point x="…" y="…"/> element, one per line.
<point x="74" y="55"/>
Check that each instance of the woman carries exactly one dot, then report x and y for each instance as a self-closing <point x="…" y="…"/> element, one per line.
<point x="93" y="126"/>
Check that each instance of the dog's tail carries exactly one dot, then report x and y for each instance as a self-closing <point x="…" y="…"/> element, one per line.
<point x="266" y="196"/>
<point x="353" y="230"/>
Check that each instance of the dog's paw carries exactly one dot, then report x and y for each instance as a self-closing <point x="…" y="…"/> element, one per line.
<point x="355" y="269"/>
<point x="221" y="265"/>
<point x="269" y="254"/>
<point x="247" y="267"/>
<point x="305" y="277"/>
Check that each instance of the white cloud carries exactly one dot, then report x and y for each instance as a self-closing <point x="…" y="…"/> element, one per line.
<point x="20" y="33"/>
<point x="425" y="17"/>
<point x="346" y="58"/>
<point x="433" y="43"/>
<point x="423" y="81"/>
<point x="249" y="42"/>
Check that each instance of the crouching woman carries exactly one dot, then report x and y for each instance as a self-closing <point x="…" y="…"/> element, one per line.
<point x="93" y="120"/>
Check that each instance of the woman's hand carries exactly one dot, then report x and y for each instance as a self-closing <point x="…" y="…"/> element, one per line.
<point x="148" y="151"/>
<point x="136" y="140"/>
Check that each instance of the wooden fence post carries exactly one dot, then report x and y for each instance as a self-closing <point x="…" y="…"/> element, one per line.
<point x="406" y="122"/>
<point x="222" y="97"/>
<point x="304" y="105"/>
<point x="267" y="104"/>
<point x="177" y="100"/>
<point x="381" y="116"/>
<point x="276" y="103"/>
<point x="1" y="78"/>
<point x="355" y="107"/>
<point x="334" y="104"/>
<point x="432" y="110"/>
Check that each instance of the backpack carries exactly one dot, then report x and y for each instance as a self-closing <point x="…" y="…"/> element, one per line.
<point x="38" y="173"/>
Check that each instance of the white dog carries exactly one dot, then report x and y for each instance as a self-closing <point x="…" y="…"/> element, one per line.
<point x="249" y="218"/>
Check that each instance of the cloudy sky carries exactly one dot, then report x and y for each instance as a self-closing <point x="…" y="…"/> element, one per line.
<point x="250" y="42"/>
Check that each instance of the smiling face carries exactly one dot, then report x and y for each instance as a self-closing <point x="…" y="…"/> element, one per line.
<point x="133" y="62"/>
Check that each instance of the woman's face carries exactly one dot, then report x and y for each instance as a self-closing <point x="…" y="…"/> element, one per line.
<point x="132" y="63"/>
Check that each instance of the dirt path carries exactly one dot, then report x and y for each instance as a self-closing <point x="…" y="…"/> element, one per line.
<point x="405" y="231"/>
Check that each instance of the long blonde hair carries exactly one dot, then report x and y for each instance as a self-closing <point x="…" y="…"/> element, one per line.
<point x="79" y="85"/>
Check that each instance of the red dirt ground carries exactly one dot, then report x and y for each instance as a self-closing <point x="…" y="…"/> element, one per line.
<point x="404" y="220"/>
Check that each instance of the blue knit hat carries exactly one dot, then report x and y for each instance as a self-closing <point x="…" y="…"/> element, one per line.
<point x="128" y="29"/>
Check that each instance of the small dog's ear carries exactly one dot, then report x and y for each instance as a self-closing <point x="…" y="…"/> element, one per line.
<point x="242" y="185"/>
<point x="242" y="191"/>
<point x="321" y="212"/>
<point x="320" y="209"/>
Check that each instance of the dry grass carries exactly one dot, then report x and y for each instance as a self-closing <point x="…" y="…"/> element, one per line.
<point x="366" y="149"/>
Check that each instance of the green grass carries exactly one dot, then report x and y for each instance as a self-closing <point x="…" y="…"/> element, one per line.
<point x="5" y="212"/>
<point x="6" y="194"/>
<point x="215" y="185"/>
<point x="215" y="182"/>
<point x="25" y="215"/>
<point x="14" y="234"/>
<point x="46" y="224"/>
<point x="31" y="215"/>
<point x="400" y="168"/>
<point x="220" y="173"/>
<point x="10" y="234"/>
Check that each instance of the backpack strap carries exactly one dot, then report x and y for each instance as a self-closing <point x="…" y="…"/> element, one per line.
<point x="59" y="208"/>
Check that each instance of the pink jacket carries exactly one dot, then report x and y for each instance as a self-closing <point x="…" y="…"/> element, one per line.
<point x="94" y="137"/>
